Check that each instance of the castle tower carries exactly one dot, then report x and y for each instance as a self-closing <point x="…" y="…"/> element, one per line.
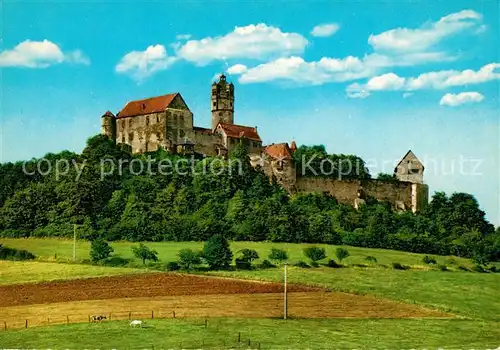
<point x="410" y="169"/>
<point x="108" y="125"/>
<point x="222" y="102"/>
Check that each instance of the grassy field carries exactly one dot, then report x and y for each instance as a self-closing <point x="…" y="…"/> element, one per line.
<point x="263" y="333"/>
<point x="24" y="271"/>
<point x="474" y="296"/>
<point x="62" y="250"/>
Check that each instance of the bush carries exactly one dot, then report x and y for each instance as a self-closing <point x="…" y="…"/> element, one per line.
<point x="479" y="268"/>
<point x="144" y="253"/>
<point x="217" y="253"/>
<point x="371" y="259"/>
<point x="443" y="268"/>
<point x="189" y="259"/>
<point x="315" y="254"/>
<point x="116" y="261"/>
<point x="266" y="264"/>
<point x="278" y="255"/>
<point x="302" y="264"/>
<point x="399" y="266"/>
<point x="463" y="268"/>
<point x="15" y="254"/>
<point x="429" y="260"/>
<point x="242" y="264"/>
<point x="341" y="254"/>
<point x="332" y="263"/>
<point x="172" y="266"/>
<point x="99" y="250"/>
<point x="494" y="269"/>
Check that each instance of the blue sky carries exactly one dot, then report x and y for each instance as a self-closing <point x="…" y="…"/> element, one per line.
<point x="368" y="78"/>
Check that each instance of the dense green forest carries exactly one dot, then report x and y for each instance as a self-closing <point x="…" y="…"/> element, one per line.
<point x="193" y="204"/>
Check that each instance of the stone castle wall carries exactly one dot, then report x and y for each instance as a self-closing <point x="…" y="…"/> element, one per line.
<point x="413" y="196"/>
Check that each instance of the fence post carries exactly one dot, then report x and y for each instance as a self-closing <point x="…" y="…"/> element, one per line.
<point x="206" y="323"/>
<point x="89" y="318"/>
<point x="129" y="315"/>
<point x="259" y="346"/>
<point x="26" y="324"/>
<point x="109" y="316"/>
<point x="173" y="312"/>
<point x="5" y="325"/>
<point x="248" y="342"/>
<point x="67" y="319"/>
<point x="239" y="337"/>
<point x="152" y="314"/>
<point x="48" y="320"/>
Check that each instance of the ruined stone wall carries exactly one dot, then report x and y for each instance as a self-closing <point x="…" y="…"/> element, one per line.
<point x="148" y="132"/>
<point x="205" y="142"/>
<point x="144" y="133"/>
<point x="413" y="196"/>
<point x="283" y="170"/>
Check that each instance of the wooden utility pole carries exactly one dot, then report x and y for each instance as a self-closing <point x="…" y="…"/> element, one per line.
<point x="285" y="301"/>
<point x="74" y="242"/>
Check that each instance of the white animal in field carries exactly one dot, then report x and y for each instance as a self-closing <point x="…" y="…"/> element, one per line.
<point x="136" y="323"/>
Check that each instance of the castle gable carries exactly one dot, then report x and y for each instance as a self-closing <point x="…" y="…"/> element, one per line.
<point x="279" y="151"/>
<point x="153" y="105"/>
<point x="239" y="131"/>
<point x="409" y="169"/>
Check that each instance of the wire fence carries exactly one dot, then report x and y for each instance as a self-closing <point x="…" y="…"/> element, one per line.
<point x="215" y="337"/>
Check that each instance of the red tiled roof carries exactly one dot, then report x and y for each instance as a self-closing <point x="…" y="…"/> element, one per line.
<point x="279" y="151"/>
<point x="293" y="146"/>
<point x="146" y="106"/>
<point x="239" y="131"/>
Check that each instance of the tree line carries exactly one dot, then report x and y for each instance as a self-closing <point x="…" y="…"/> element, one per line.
<point x="240" y="205"/>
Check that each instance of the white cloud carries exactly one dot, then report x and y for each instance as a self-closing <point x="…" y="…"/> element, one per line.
<point x="39" y="54"/>
<point x="237" y="69"/>
<point x="183" y="36"/>
<point x="428" y="35"/>
<point x="454" y="100"/>
<point x="389" y="81"/>
<point x="325" y="30"/>
<point x="432" y="80"/>
<point x="253" y="41"/>
<point x="142" y="64"/>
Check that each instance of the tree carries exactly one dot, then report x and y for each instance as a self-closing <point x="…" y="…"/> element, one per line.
<point x="144" y="253"/>
<point x="217" y="253"/>
<point x="248" y="255"/>
<point x="315" y="254"/>
<point x="386" y="177"/>
<point x="278" y="255"/>
<point x="189" y="259"/>
<point x="100" y="250"/>
<point x="341" y="253"/>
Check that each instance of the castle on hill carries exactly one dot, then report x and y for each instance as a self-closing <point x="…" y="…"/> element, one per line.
<point x="167" y="122"/>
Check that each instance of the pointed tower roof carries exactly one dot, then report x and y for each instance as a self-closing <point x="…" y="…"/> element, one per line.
<point x="293" y="146"/>
<point x="410" y="156"/>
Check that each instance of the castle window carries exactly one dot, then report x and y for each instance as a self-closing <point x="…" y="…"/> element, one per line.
<point x="147" y="120"/>
<point x="214" y="104"/>
<point x="220" y="114"/>
<point x="123" y="139"/>
<point x="131" y="136"/>
<point x="157" y="118"/>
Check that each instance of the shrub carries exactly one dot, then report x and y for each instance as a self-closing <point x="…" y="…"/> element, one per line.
<point x="242" y="264"/>
<point x="248" y="255"/>
<point x="371" y="259"/>
<point x="399" y="266"/>
<point x="429" y="260"/>
<point x="144" y="253"/>
<point x="332" y="263"/>
<point x="278" y="255"/>
<point x="494" y="269"/>
<point x="479" y="268"/>
<point x="450" y="261"/>
<point x="266" y="264"/>
<point x="463" y="268"/>
<point x="302" y="264"/>
<point x="341" y="253"/>
<point x="172" y="266"/>
<point x="116" y="261"/>
<point x="315" y="254"/>
<point x="15" y="254"/>
<point x="217" y="253"/>
<point x="443" y="268"/>
<point x="99" y="250"/>
<point x="189" y="259"/>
